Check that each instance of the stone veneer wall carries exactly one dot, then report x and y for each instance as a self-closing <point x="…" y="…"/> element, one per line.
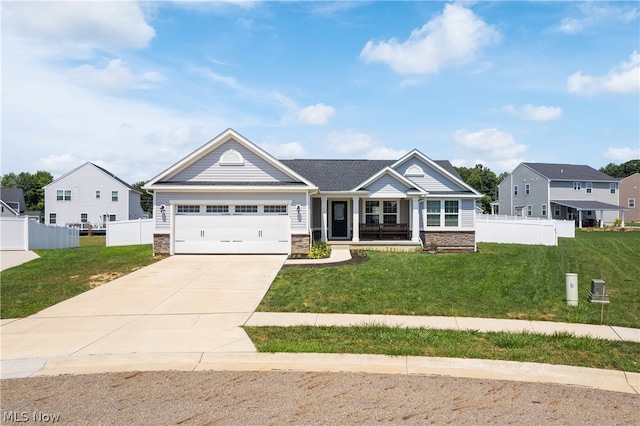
<point x="161" y="244"/>
<point x="453" y="239"/>
<point x="300" y="243"/>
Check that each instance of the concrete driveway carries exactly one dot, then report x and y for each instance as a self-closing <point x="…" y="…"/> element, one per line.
<point x="180" y="305"/>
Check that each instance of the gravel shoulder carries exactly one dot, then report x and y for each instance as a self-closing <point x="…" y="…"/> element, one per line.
<point x="275" y="398"/>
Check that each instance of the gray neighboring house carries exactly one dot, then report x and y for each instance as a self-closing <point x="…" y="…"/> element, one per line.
<point x="231" y="196"/>
<point x="90" y="195"/>
<point x="13" y="204"/>
<point x="561" y="191"/>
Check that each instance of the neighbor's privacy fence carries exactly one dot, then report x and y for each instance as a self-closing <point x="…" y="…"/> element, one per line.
<point x="130" y="232"/>
<point x="522" y="230"/>
<point x="21" y="233"/>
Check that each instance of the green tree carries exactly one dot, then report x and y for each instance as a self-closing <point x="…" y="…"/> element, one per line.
<point x="146" y="199"/>
<point x="31" y="185"/>
<point x="621" y="170"/>
<point x="483" y="180"/>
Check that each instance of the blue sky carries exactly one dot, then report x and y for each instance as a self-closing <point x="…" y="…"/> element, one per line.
<point x="134" y="87"/>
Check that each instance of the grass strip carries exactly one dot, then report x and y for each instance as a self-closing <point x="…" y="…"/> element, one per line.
<point x="559" y="348"/>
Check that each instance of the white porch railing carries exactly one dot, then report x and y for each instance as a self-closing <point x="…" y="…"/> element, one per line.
<point x="21" y="233"/>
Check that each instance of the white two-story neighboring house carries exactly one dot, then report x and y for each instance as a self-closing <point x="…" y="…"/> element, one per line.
<point x="90" y="196"/>
<point x="561" y="191"/>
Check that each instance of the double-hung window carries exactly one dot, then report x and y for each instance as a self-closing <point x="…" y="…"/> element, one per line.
<point x="114" y="195"/>
<point x="63" y="195"/>
<point x="443" y="213"/>
<point x="515" y="189"/>
<point x="52" y="218"/>
<point x="577" y="186"/>
<point x="389" y="212"/>
<point x="543" y="210"/>
<point x="589" y="187"/>
<point x="527" y="189"/>
<point x="631" y="203"/>
<point x="372" y="211"/>
<point x="84" y="217"/>
<point x="613" y="187"/>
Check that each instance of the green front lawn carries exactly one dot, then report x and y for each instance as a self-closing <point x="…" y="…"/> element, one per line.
<point x="559" y="348"/>
<point x="501" y="281"/>
<point x="61" y="274"/>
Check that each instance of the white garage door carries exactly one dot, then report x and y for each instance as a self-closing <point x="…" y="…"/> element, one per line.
<point x="251" y="232"/>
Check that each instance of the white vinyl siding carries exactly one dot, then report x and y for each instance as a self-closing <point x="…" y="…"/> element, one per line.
<point x="387" y="187"/>
<point x="298" y="220"/>
<point x="432" y="180"/>
<point x="210" y="169"/>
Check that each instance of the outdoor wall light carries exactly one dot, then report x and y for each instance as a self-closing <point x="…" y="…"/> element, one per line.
<point x="298" y="208"/>
<point x="162" y="208"/>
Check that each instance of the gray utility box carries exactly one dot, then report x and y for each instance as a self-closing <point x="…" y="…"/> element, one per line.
<point x="598" y="293"/>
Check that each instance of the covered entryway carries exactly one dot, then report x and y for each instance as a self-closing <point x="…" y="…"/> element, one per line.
<point x="582" y="207"/>
<point x="253" y="232"/>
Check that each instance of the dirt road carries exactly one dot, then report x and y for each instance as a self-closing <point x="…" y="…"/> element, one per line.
<point x="276" y="398"/>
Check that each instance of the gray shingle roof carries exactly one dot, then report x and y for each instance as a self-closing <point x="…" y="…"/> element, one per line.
<point x="344" y="175"/>
<point x="570" y="172"/>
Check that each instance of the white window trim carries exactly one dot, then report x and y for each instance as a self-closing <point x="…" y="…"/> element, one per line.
<point x="381" y="214"/>
<point x="577" y="186"/>
<point x="529" y="210"/>
<point x="588" y="187"/>
<point x="443" y="214"/>
<point x="631" y="203"/>
<point x="527" y="189"/>
<point x="613" y="188"/>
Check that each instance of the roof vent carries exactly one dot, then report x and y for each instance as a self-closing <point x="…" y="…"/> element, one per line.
<point x="561" y="170"/>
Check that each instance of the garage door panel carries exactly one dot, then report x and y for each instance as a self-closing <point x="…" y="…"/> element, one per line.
<point x="232" y="234"/>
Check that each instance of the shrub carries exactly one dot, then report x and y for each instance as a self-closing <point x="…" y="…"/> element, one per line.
<point x="320" y="251"/>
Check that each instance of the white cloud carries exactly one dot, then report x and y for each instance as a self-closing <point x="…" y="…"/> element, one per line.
<point x="284" y="150"/>
<point x="624" y="78"/>
<point x="112" y="23"/>
<point x="490" y="147"/>
<point x="450" y="39"/>
<point x="115" y="76"/>
<point x="622" y="154"/>
<point x="383" y="153"/>
<point x="590" y="14"/>
<point x="349" y="142"/>
<point x="534" y="113"/>
<point x="316" y="114"/>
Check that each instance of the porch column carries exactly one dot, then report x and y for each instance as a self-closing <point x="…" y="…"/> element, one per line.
<point x="355" y="221"/>
<point x="579" y="218"/>
<point x="601" y="218"/>
<point x="323" y="206"/>
<point x="622" y="224"/>
<point x="415" y="219"/>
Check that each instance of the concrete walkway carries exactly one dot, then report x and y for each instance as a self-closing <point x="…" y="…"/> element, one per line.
<point x="10" y="258"/>
<point x="185" y="312"/>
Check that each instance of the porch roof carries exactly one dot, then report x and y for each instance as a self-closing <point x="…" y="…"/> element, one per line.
<point x="589" y="205"/>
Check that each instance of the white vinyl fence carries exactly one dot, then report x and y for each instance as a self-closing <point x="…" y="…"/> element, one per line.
<point x="130" y="232"/>
<point x="522" y="230"/>
<point x="21" y="233"/>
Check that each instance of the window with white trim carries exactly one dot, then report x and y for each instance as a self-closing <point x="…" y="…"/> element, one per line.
<point x="631" y="203"/>
<point x="527" y="189"/>
<point x="589" y="187"/>
<point x="84" y="217"/>
<point x="217" y="209"/>
<point x="389" y="212"/>
<point x="114" y="195"/>
<point x="52" y="218"/>
<point x="433" y="212"/>
<point x="529" y="210"/>
<point x="556" y="210"/>
<point x="372" y="211"/>
<point x="246" y="209"/>
<point x="275" y="209"/>
<point x="613" y="187"/>
<point x="543" y="210"/>
<point x="63" y="195"/>
<point x="97" y="195"/>
<point x="451" y="213"/>
<point x="515" y="189"/>
<point x="181" y="208"/>
<point x="577" y="186"/>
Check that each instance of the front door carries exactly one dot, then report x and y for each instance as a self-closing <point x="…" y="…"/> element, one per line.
<point x="339" y="219"/>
